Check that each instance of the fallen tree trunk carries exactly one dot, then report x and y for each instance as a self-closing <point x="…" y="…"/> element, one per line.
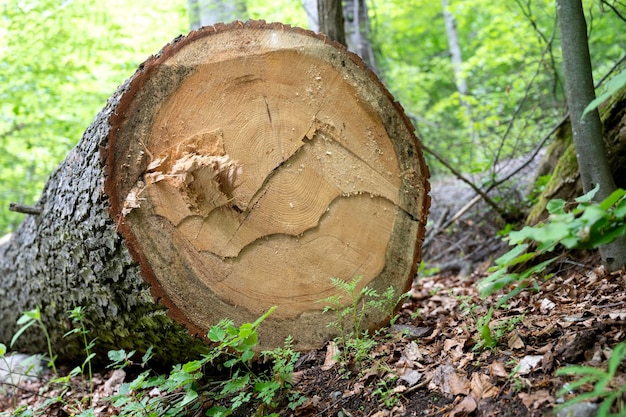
<point x="239" y="169"/>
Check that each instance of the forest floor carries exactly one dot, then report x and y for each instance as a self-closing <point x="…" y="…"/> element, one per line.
<point x="444" y="355"/>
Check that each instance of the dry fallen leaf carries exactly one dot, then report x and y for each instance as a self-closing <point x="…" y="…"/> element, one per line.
<point x="528" y="363"/>
<point x="496" y="368"/>
<point x="546" y="306"/>
<point x="411" y="376"/>
<point x="482" y="387"/>
<point x="465" y="407"/>
<point x="412" y="352"/>
<point x="515" y="341"/>
<point x="459" y="384"/>
<point x="536" y="400"/>
<point x="332" y="352"/>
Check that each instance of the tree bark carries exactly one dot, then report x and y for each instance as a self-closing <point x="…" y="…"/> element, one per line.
<point x="310" y="8"/>
<point x="240" y="168"/>
<point x="587" y="130"/>
<point x="330" y="20"/>
<point x="455" y="51"/>
<point x="560" y="158"/>
<point x="357" y="29"/>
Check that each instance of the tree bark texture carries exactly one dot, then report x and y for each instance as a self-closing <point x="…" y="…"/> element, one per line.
<point x="331" y="21"/>
<point x="71" y="255"/>
<point x="455" y="50"/>
<point x="586" y="130"/>
<point x="310" y="8"/>
<point x="240" y="168"/>
<point x="560" y="158"/>
<point x="357" y="29"/>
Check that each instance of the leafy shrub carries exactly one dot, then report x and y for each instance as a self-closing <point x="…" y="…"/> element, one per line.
<point x="589" y="225"/>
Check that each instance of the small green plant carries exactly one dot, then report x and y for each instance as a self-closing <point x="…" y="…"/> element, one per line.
<point x="605" y="385"/>
<point x="518" y="383"/>
<point x="489" y="337"/>
<point x="427" y="271"/>
<point x="281" y="375"/>
<point x="386" y="392"/>
<point x="486" y="338"/>
<point x="245" y="385"/>
<point x="3" y="352"/>
<point x="33" y="318"/>
<point x="186" y="387"/>
<point x="78" y="317"/>
<point x="349" y="316"/>
<point x="587" y="226"/>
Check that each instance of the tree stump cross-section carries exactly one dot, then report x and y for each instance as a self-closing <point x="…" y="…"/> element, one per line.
<point x="247" y="164"/>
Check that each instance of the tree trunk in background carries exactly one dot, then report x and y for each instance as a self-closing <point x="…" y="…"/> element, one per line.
<point x="455" y="51"/>
<point x="310" y="7"/>
<point x="209" y="12"/>
<point x="560" y="158"/>
<point x="330" y="19"/>
<point x="587" y="130"/>
<point x="357" y="28"/>
<point x="243" y="166"/>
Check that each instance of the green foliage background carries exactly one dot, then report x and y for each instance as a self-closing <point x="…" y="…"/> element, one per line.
<point x="61" y="60"/>
<point x="511" y="62"/>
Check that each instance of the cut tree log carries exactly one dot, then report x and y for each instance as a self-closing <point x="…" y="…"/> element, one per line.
<point x="239" y="169"/>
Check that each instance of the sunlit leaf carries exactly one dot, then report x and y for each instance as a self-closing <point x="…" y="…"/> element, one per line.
<point x="612" y="87"/>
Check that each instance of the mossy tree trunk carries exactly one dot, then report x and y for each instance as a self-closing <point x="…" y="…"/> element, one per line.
<point x="239" y="169"/>
<point x="561" y="164"/>
<point x="591" y="154"/>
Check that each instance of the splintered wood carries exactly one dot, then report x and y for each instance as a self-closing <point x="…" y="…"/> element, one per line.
<point x="270" y="161"/>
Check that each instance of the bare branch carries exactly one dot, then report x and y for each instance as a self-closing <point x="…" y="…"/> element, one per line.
<point x="20" y="208"/>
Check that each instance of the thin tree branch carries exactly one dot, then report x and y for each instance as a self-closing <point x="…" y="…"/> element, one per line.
<point x="20" y="208"/>
<point x="460" y="176"/>
<point x="614" y="9"/>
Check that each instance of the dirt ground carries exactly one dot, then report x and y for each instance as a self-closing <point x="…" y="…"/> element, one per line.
<point x="434" y="360"/>
<point x="431" y="363"/>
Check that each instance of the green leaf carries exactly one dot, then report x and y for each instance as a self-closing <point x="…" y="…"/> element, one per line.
<point x="147" y="356"/>
<point x="190" y="396"/>
<point x="117" y="355"/>
<point x="508" y="257"/>
<point x="27" y="317"/>
<point x="245" y="330"/>
<point x="588" y="197"/>
<point x="258" y="321"/>
<point x="192" y="366"/>
<point x="267" y="390"/>
<point x="236" y="384"/>
<point x="615" y="197"/>
<point x="216" y="334"/>
<point x="550" y="232"/>
<point x="247" y="356"/>
<point x="496" y="282"/>
<point x="580" y="370"/>
<point x="3" y="349"/>
<point x="556" y="206"/>
<point x="218" y="411"/>
<point x="617" y="356"/>
<point x="20" y="331"/>
<point x="612" y="87"/>
<point x="231" y="362"/>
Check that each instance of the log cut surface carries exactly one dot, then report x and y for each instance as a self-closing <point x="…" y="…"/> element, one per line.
<point x="247" y="164"/>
